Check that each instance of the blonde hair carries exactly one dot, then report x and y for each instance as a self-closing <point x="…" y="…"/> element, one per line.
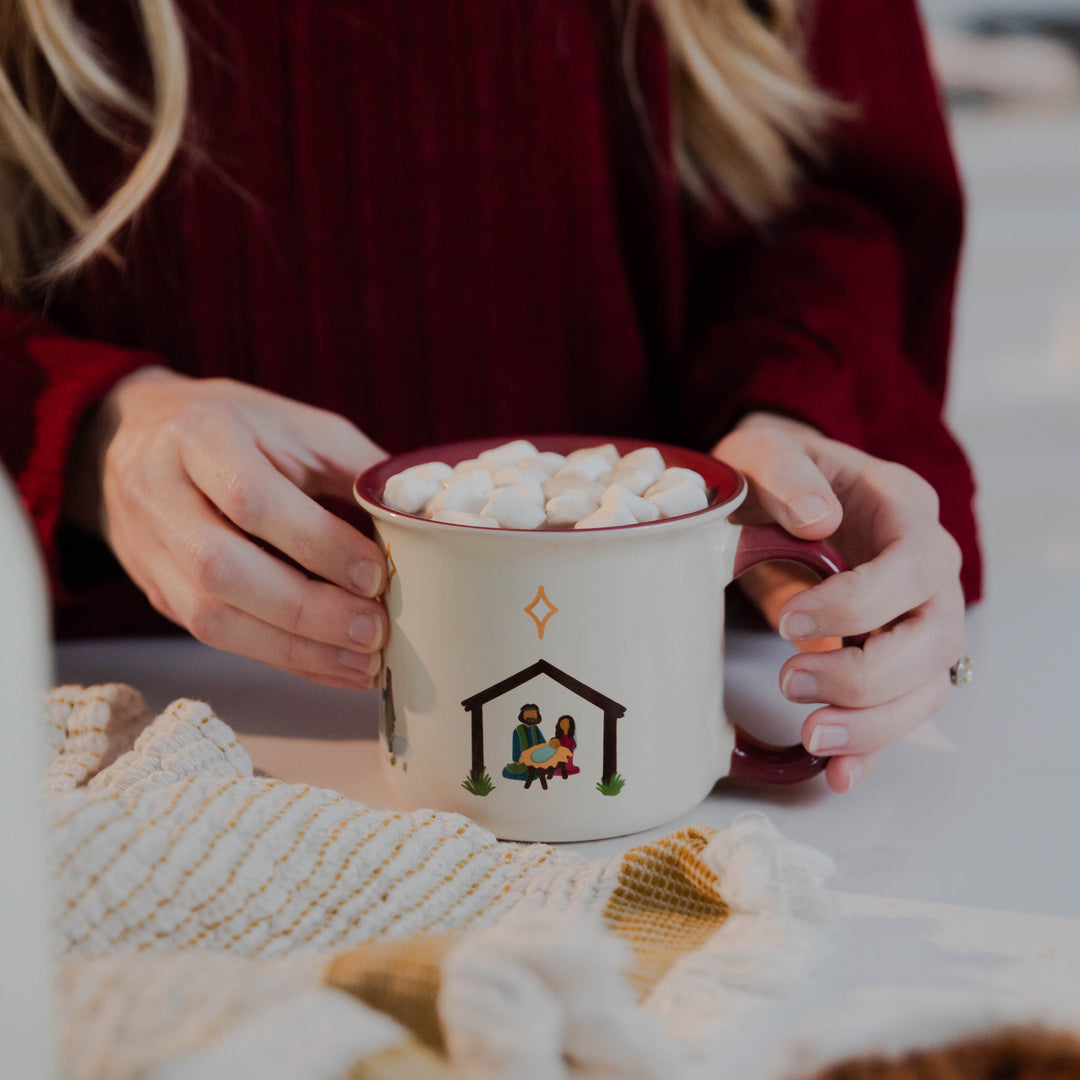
<point x="745" y="110"/>
<point x="38" y="195"/>
<point x="745" y="106"/>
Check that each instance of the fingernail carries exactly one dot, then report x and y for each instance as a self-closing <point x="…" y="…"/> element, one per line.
<point x="799" y="686"/>
<point x="369" y="663"/>
<point x="366" y="577"/>
<point x="365" y="630"/>
<point x="810" y="508"/>
<point x="796" y="625"/>
<point x="854" y="774"/>
<point x="827" y="737"/>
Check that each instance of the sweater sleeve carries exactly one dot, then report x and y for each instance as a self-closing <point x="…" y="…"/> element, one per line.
<point x="50" y="382"/>
<point x="840" y="313"/>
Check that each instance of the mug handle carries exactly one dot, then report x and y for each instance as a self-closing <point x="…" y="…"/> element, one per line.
<point x="752" y="759"/>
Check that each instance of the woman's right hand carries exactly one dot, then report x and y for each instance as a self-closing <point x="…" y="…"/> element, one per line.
<point x="189" y="481"/>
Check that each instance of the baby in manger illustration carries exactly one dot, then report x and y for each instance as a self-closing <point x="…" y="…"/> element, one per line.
<point x="535" y="757"/>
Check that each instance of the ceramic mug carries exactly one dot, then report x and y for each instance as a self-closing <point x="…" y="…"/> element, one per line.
<point x="567" y="684"/>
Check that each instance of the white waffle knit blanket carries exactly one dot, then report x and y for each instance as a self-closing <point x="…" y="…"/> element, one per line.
<point x="216" y="923"/>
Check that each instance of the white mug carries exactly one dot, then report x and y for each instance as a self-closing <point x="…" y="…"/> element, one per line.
<point x="567" y="684"/>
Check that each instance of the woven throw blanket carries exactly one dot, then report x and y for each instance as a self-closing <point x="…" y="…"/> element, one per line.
<point x="212" y="922"/>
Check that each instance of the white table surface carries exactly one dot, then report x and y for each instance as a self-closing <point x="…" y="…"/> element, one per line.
<point x="958" y="857"/>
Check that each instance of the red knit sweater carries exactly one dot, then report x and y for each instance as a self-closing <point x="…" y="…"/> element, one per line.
<point x="444" y="219"/>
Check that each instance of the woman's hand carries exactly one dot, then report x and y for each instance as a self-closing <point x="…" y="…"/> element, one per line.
<point x="192" y="480"/>
<point x="904" y="586"/>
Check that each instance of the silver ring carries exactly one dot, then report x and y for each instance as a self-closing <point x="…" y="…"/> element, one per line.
<point x="963" y="671"/>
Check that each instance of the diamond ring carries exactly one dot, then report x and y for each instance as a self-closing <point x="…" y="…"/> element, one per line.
<point x="962" y="671"/>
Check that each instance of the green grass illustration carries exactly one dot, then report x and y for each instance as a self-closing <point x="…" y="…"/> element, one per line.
<point x="478" y="785"/>
<point x="612" y="785"/>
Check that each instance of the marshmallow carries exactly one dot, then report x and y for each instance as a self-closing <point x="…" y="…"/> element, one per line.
<point x="508" y="454"/>
<point x="669" y="478"/>
<point x="605" y="517"/>
<point x="469" y="465"/>
<point x="570" y="507"/>
<point x="607" y="452"/>
<point x="684" y="498"/>
<point x="528" y="489"/>
<point x="566" y="482"/>
<point x="438" y="471"/>
<point x="467" y="495"/>
<point x="592" y="467"/>
<point x="477" y="478"/>
<point x="635" y="480"/>
<point x="642" y="509"/>
<point x="460" y="517"/>
<point x="548" y="462"/>
<point x="409" y="494"/>
<point x="511" y="474"/>
<point x="512" y="510"/>
<point x="648" y="459"/>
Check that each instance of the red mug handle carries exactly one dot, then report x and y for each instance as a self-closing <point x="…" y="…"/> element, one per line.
<point x="751" y="758"/>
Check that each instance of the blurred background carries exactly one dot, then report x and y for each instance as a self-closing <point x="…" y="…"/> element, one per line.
<point x="1011" y="70"/>
<point x="1008" y="51"/>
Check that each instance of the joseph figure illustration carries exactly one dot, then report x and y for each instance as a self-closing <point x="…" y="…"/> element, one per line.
<point x="527" y="734"/>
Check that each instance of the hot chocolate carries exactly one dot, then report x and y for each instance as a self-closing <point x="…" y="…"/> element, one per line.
<point x="514" y="486"/>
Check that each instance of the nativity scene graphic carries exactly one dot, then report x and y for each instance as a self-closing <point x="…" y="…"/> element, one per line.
<point x="534" y="756"/>
<point x="537" y="753"/>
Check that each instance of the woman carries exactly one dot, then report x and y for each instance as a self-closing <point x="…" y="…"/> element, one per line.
<point x="565" y="730"/>
<point x="354" y="226"/>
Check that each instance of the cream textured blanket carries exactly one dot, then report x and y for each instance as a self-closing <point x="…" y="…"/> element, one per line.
<point x="212" y="922"/>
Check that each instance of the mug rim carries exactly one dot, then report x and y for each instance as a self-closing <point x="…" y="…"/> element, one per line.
<point x="728" y="484"/>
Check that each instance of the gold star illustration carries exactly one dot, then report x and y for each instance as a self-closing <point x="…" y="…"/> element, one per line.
<point x="391" y="567"/>
<point x="540" y="602"/>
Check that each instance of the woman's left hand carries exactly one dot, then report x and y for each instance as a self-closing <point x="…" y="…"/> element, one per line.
<point x="903" y="588"/>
